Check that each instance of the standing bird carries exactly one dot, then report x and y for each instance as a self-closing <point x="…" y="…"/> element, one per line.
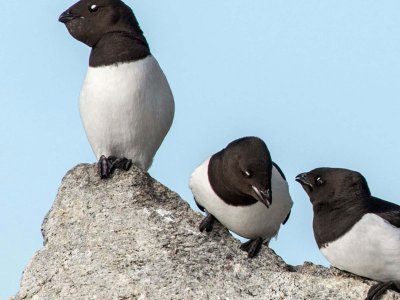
<point x="242" y="188"/>
<point x="126" y="104"/>
<point x="355" y="231"/>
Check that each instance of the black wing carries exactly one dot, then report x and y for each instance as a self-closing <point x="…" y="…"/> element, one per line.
<point x="386" y="210"/>
<point x="284" y="177"/>
<point x="287" y="218"/>
<point x="198" y="205"/>
<point x="279" y="170"/>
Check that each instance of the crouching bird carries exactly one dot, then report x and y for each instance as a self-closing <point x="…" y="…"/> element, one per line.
<point x="242" y="188"/>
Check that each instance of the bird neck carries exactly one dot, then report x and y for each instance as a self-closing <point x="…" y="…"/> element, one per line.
<point x="332" y="220"/>
<point x="119" y="47"/>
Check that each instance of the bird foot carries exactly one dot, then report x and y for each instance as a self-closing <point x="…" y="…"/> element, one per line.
<point x="207" y="223"/>
<point x="380" y="288"/>
<point x="107" y="165"/>
<point x="252" y="247"/>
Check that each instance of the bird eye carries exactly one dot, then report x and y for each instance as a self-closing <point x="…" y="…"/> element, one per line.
<point x="247" y="174"/>
<point x="319" y="181"/>
<point x="93" y="8"/>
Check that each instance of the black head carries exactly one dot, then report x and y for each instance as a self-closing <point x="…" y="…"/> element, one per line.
<point x="247" y="167"/>
<point x="340" y="198"/>
<point x="89" y="20"/>
<point x="333" y="185"/>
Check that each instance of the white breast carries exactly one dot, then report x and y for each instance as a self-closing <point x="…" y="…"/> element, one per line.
<point x="371" y="249"/>
<point x="247" y="221"/>
<point x="127" y="109"/>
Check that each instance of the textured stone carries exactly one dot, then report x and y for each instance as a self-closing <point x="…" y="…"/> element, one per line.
<point x="130" y="237"/>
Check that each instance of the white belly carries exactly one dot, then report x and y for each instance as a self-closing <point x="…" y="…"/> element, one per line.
<point x="370" y="249"/>
<point x="127" y="109"/>
<point x="252" y="221"/>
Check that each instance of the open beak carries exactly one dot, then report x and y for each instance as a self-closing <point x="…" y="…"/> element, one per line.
<point x="303" y="180"/>
<point x="67" y="16"/>
<point x="264" y="196"/>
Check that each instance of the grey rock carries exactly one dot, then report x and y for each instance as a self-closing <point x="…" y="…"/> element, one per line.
<point x="130" y="237"/>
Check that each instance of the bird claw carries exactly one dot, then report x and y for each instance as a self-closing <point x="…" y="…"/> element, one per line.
<point x="106" y="166"/>
<point x="207" y="223"/>
<point x="122" y="163"/>
<point x="380" y="288"/>
<point x="252" y="247"/>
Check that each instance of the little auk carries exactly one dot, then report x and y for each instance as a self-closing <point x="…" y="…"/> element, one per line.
<point x="242" y="188"/>
<point x="354" y="230"/>
<point x="126" y="104"/>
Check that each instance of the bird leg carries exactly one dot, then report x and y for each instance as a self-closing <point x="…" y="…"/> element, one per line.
<point x="106" y="166"/>
<point x="207" y="223"/>
<point x="380" y="288"/>
<point x="121" y="163"/>
<point x="252" y="247"/>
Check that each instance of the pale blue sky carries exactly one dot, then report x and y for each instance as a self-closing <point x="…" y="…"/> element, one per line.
<point x="317" y="80"/>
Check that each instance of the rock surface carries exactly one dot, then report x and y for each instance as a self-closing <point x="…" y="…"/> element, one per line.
<point x="130" y="237"/>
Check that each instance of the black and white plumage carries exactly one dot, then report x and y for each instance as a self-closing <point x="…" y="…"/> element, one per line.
<point x="355" y="231"/>
<point x="126" y="104"/>
<point x="244" y="190"/>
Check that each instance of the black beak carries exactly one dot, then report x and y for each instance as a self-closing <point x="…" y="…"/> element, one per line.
<point x="303" y="180"/>
<point x="264" y="196"/>
<point x="67" y="16"/>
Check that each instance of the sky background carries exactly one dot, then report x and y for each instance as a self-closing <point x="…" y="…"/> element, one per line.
<point x="317" y="80"/>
